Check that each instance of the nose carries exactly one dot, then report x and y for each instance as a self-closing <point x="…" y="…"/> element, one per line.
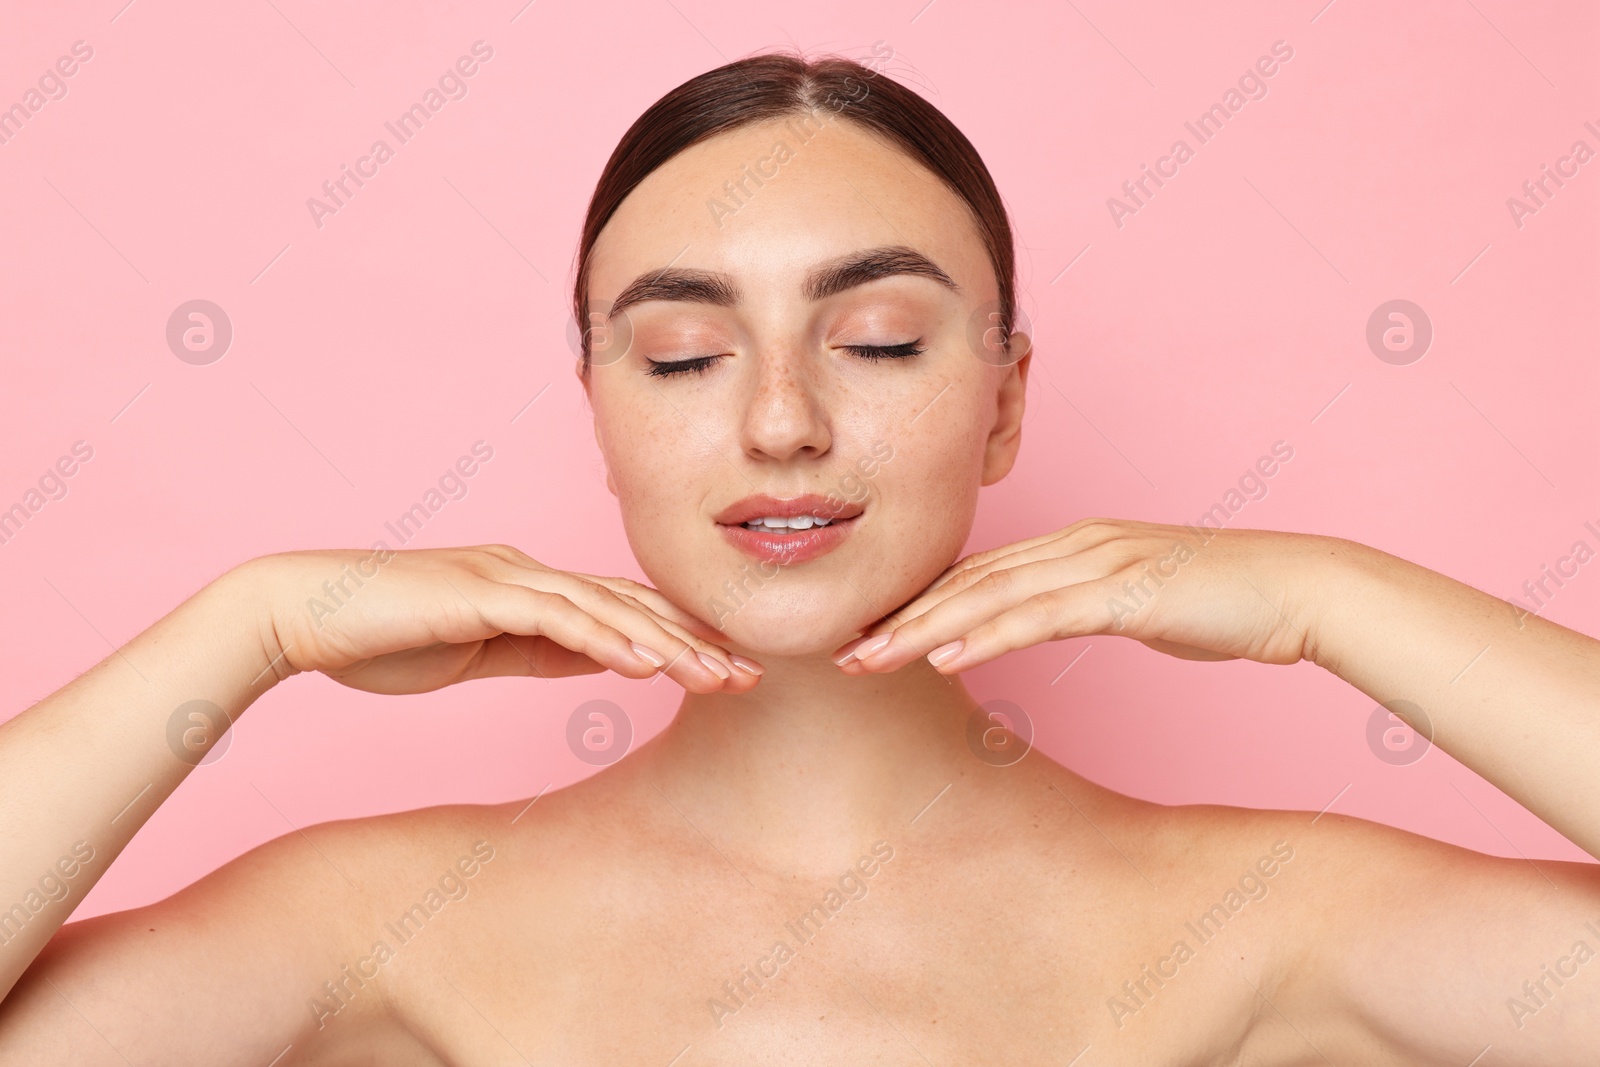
<point x="785" y="415"/>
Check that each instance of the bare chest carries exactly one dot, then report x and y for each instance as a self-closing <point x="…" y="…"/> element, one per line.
<point x="912" y="965"/>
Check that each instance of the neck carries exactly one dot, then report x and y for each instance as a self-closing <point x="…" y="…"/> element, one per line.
<point x="813" y="764"/>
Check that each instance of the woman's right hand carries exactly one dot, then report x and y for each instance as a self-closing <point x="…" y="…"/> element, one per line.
<point x="415" y="620"/>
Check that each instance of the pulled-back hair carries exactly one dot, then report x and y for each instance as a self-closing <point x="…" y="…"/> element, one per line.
<point x="775" y="85"/>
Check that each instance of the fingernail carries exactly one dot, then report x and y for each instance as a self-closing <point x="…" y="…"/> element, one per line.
<point x="872" y="645"/>
<point x="847" y="653"/>
<point x="944" y="653"/>
<point x="748" y="665"/>
<point x="649" y="655"/>
<point x="713" y="665"/>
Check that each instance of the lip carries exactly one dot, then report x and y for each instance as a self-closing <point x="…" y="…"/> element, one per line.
<point x="761" y="505"/>
<point x="792" y="547"/>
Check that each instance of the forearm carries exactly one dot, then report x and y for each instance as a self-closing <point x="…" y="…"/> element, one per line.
<point x="1513" y="696"/>
<point x="82" y="770"/>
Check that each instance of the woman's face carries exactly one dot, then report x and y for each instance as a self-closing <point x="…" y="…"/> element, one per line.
<point x="784" y="407"/>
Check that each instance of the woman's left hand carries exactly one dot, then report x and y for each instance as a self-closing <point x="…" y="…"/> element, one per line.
<point x="1192" y="593"/>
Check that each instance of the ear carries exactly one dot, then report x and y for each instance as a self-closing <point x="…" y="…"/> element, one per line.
<point x="1005" y="439"/>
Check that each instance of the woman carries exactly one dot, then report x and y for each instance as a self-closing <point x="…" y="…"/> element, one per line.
<point x="798" y="287"/>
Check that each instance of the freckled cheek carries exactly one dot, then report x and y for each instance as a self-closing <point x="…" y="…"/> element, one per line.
<point x="933" y="463"/>
<point x="650" y="481"/>
<point x="641" y="440"/>
<point x="664" y="479"/>
<point x="929" y="489"/>
<point x="658" y="506"/>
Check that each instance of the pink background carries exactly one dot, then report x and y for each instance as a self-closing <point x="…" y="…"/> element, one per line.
<point x="1228" y="313"/>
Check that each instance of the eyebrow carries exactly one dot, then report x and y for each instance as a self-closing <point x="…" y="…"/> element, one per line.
<point x="835" y="276"/>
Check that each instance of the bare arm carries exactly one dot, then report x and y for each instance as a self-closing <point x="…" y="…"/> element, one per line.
<point x="255" y="963"/>
<point x="1429" y="952"/>
<point x="1409" y="950"/>
<point x="251" y="961"/>
<point x="1513" y="696"/>
<point x="1405" y="950"/>
<point x="82" y="770"/>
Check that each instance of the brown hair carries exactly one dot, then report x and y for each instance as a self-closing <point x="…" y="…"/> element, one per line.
<point x="773" y="85"/>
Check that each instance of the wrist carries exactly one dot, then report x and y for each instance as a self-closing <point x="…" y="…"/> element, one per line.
<point x="245" y="595"/>
<point x="1342" y="575"/>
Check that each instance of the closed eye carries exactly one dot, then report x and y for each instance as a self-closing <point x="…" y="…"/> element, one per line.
<point x="903" y="350"/>
<point x="696" y="365"/>
<point x="700" y="364"/>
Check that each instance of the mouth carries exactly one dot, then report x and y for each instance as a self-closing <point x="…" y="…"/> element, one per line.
<point x="788" y="531"/>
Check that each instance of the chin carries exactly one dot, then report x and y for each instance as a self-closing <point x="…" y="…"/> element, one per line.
<point x="769" y="629"/>
<point x="808" y="610"/>
<point x="791" y="616"/>
<point x="780" y="638"/>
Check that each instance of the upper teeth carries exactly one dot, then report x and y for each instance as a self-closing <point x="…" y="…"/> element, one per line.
<point x="796" y="522"/>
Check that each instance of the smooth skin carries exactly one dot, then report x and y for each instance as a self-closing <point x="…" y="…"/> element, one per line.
<point x="981" y="913"/>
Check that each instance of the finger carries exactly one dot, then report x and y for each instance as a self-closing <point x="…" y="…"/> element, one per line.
<point x="895" y="653"/>
<point x="1053" y="615"/>
<point x="1079" y="538"/>
<point x="662" y="606"/>
<point x="979" y="561"/>
<point x="682" y="655"/>
<point x="669" y="613"/>
<point x="1081" y="535"/>
<point x="510" y="608"/>
<point x="686" y="627"/>
<point x="983" y="598"/>
<point x="698" y="667"/>
<point x="669" y="652"/>
<point x="748" y="669"/>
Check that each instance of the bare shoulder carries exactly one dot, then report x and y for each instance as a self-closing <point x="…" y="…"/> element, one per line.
<point x="257" y="957"/>
<point x="1177" y="843"/>
<point x="1366" y="942"/>
<point x="1190" y="839"/>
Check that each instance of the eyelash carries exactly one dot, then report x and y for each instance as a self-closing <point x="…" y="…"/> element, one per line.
<point x="659" y="369"/>
<point x="903" y="350"/>
<point x="699" y="364"/>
